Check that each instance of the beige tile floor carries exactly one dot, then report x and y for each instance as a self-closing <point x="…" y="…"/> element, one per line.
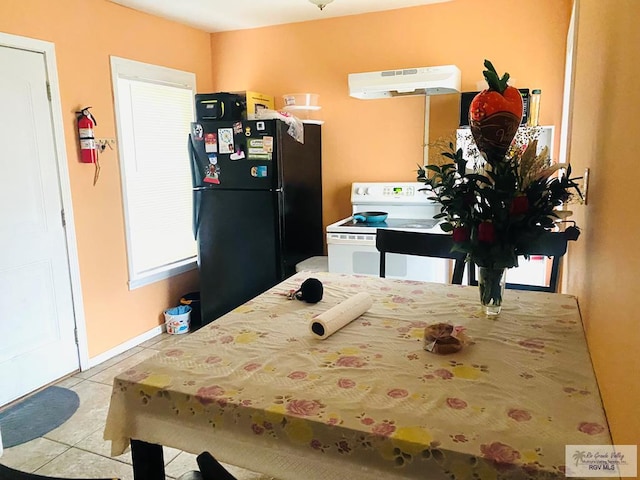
<point x="76" y="448"/>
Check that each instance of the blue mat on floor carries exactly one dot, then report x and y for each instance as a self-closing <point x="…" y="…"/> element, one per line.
<point x="37" y="415"/>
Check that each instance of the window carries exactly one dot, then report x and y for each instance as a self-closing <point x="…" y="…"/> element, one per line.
<point x="154" y="109"/>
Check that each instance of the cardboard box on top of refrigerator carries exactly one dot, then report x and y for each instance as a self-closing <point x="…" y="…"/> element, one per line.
<point x="256" y="101"/>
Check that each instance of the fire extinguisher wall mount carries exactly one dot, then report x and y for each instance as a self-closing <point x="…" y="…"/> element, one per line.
<point x="88" y="147"/>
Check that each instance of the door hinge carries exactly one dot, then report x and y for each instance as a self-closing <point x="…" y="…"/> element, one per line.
<point x="75" y="335"/>
<point x="49" y="91"/>
<point x="64" y="219"/>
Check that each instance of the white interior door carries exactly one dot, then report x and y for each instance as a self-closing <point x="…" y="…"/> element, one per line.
<point x="37" y="345"/>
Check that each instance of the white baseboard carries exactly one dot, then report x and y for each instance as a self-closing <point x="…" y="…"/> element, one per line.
<point x="123" y="347"/>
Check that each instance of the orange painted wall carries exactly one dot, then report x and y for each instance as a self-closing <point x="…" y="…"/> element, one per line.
<point x="85" y="34"/>
<point x="382" y="140"/>
<point x="603" y="265"/>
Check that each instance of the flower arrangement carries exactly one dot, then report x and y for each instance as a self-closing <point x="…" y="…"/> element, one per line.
<point x="501" y="208"/>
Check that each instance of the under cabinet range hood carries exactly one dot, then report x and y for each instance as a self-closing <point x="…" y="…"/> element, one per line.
<point x="404" y="82"/>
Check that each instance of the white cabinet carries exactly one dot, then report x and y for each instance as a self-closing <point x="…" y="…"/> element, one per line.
<point x="464" y="140"/>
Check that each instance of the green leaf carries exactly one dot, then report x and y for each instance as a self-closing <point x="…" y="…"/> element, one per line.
<point x="493" y="80"/>
<point x="433" y="168"/>
<point x="446" y="227"/>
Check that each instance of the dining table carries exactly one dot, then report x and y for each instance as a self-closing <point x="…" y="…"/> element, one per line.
<point x="257" y="388"/>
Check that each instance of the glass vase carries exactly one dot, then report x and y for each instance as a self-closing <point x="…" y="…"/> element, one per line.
<point x="491" y="282"/>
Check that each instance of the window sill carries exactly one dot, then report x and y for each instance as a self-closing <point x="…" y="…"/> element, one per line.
<point x="162" y="273"/>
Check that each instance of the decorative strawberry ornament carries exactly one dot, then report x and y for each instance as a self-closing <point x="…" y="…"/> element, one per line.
<point x="495" y="114"/>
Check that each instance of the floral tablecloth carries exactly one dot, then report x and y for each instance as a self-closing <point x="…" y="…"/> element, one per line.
<point x="257" y="389"/>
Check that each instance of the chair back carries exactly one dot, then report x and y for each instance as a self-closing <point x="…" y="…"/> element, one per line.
<point x="422" y="244"/>
<point x="550" y="244"/>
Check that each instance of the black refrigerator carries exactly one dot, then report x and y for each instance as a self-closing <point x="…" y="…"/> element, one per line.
<point x="257" y="207"/>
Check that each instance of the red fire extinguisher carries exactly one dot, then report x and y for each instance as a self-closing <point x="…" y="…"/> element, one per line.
<point x="88" y="147"/>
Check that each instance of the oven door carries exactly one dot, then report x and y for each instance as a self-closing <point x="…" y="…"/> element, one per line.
<point x="356" y="253"/>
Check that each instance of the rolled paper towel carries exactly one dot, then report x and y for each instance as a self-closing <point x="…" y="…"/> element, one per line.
<point x="336" y="317"/>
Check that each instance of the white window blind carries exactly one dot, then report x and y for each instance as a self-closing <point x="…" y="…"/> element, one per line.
<point x="154" y="109"/>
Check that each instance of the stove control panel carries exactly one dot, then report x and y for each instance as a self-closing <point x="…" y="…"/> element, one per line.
<point x="392" y="193"/>
<point x="398" y="191"/>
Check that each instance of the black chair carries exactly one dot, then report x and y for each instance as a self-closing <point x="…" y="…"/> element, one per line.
<point x="420" y="244"/>
<point x="8" y="473"/>
<point x="551" y="244"/>
<point x="209" y="469"/>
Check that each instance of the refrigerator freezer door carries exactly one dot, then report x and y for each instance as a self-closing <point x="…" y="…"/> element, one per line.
<point x="301" y="179"/>
<point x="234" y="155"/>
<point x="237" y="248"/>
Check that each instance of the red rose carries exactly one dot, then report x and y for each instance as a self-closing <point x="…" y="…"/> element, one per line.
<point x="460" y="234"/>
<point x="135" y="376"/>
<point x="486" y="232"/>
<point x="443" y="373"/>
<point x="519" y="415"/>
<point x="304" y="408"/>
<point x="519" y="205"/>
<point x="591" y="428"/>
<point x="257" y="429"/>
<point x="346" y="383"/>
<point x="383" y="429"/>
<point x="250" y="367"/>
<point x="418" y="323"/>
<point x="174" y="353"/>
<point x="207" y="395"/>
<point x="397" y="393"/>
<point x="350" y="361"/>
<point x="500" y="453"/>
<point x="456" y="403"/>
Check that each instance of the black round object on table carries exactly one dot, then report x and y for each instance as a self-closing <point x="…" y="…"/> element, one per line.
<point x="310" y="291"/>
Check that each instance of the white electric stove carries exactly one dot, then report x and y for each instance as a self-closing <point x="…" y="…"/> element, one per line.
<point x="351" y="244"/>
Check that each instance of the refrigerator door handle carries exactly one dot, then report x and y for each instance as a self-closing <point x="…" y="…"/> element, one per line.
<point x="195" y="216"/>
<point x="193" y="162"/>
<point x="195" y="221"/>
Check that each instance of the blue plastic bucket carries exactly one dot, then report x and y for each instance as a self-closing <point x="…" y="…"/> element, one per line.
<point x="177" y="319"/>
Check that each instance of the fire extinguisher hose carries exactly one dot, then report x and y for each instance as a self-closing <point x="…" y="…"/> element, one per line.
<point x="97" y="171"/>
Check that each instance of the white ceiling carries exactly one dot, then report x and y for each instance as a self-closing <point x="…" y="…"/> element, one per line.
<point x="224" y="15"/>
